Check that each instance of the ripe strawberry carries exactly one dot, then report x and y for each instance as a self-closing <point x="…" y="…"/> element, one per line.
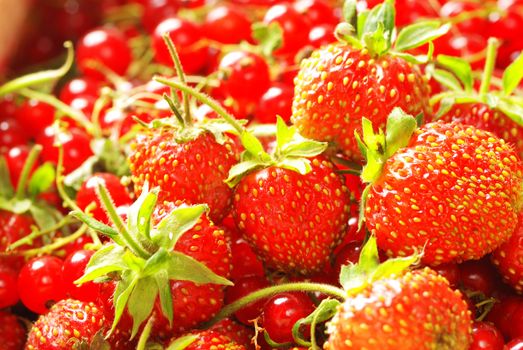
<point x="12" y="334"/>
<point x="235" y="331"/>
<point x="508" y="258"/>
<point x="68" y="324"/>
<point x="191" y="170"/>
<point x="207" y="340"/>
<point x="452" y="192"/>
<point x="411" y="310"/>
<point x="343" y="82"/>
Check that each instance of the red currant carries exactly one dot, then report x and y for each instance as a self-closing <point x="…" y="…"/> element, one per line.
<point x="227" y="25"/>
<point x="241" y="288"/>
<point x="276" y="101"/>
<point x="485" y="336"/>
<point x="74" y="268"/>
<point x="35" y="116"/>
<point x="8" y="289"/>
<point x="515" y="344"/>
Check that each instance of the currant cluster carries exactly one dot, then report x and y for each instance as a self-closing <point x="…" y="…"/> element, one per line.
<point x="260" y="174"/>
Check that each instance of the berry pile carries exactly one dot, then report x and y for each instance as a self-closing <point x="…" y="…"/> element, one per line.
<point x="264" y="175"/>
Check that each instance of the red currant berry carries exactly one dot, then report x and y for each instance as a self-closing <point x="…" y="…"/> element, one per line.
<point x="35" y="116"/>
<point x="11" y="134"/>
<point x="318" y="12"/>
<point x="451" y="272"/>
<point x="8" y="287"/>
<point x="74" y="268"/>
<point x="227" y="25"/>
<point x="155" y="11"/>
<point x="515" y="344"/>
<point x="479" y="275"/>
<point x="276" y="101"/>
<point x="79" y="87"/>
<point x="485" y="336"/>
<point x="15" y="160"/>
<point x="242" y="287"/>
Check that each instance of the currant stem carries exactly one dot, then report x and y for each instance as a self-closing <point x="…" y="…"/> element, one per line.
<point x="26" y="170"/>
<point x="230" y="309"/>
<point x="35" y="234"/>
<point x="181" y="76"/>
<point x="490" y="62"/>
<point x="145" y="334"/>
<point x="205" y="100"/>
<point x="59" y="243"/>
<point x="110" y="209"/>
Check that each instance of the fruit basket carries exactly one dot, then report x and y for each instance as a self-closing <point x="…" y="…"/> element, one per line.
<point x="239" y="175"/>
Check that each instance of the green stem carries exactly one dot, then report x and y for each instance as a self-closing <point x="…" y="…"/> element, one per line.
<point x="314" y="344"/>
<point x="26" y="170"/>
<point x="40" y="77"/>
<point x="59" y="181"/>
<point x="59" y="243"/>
<point x="181" y="76"/>
<point x="230" y="309"/>
<point x="76" y="115"/>
<point x="205" y="100"/>
<point x="490" y="63"/>
<point x="145" y="334"/>
<point x="35" y="234"/>
<point x="110" y="209"/>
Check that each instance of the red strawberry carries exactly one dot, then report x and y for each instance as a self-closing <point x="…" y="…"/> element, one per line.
<point x="190" y="170"/>
<point x="452" y="192"/>
<point x="508" y="258"/>
<point x="341" y="83"/>
<point x="237" y="332"/>
<point x="207" y="340"/>
<point x="12" y="334"/>
<point x="68" y="323"/>
<point x="410" y="311"/>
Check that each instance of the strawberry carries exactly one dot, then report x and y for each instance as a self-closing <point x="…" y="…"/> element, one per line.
<point x="68" y="324"/>
<point x="450" y="189"/>
<point x="390" y="307"/>
<point x="167" y="262"/>
<point x="508" y="258"/>
<point x="235" y="331"/>
<point x="493" y="108"/>
<point x="12" y="334"/>
<point x="343" y="82"/>
<point x="205" y="340"/>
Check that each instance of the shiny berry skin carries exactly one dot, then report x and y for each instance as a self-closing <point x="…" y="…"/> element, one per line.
<point x="75" y="142"/>
<point x="40" y="283"/>
<point x="479" y="275"/>
<point x="451" y="272"/>
<point x="87" y="194"/>
<point x="508" y="259"/>
<point x="277" y="100"/>
<point x="281" y="312"/>
<point x="8" y="107"/>
<point x="322" y="35"/>
<point x="227" y="25"/>
<point x="485" y="336"/>
<point x="244" y="261"/>
<point x="15" y="159"/>
<point x="242" y="287"/>
<point x="185" y="36"/>
<point x="155" y="11"/>
<point x="104" y="45"/>
<point x="77" y="244"/>
<point x="11" y="134"/>
<point x="294" y="25"/>
<point x="35" y="116"/>
<point x="12" y="333"/>
<point x="507" y="316"/>
<point x="78" y="87"/>
<point x="318" y="12"/>
<point x="14" y="227"/>
<point x="8" y="287"/>
<point x="244" y="75"/>
<point x="74" y="268"/>
<point x="515" y="344"/>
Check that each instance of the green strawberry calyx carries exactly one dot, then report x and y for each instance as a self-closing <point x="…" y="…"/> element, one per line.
<point x="141" y="259"/>
<point x="292" y="150"/>
<point x="456" y="75"/>
<point x="374" y="30"/>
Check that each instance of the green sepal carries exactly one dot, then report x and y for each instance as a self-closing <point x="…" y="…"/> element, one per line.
<point x="41" y="180"/>
<point x="237" y="171"/>
<point x="350" y="11"/>
<point x="415" y="59"/>
<point x="377" y="24"/>
<point x="376" y="41"/>
<point x="6" y="187"/>
<point x="175" y="224"/>
<point x="44" y="215"/>
<point x="290" y="144"/>
<point x="268" y="36"/>
<point x="42" y="77"/>
<point x="106" y="260"/>
<point x="17" y="206"/>
<point x="141" y="302"/>
<point x="299" y="165"/>
<point x="447" y="79"/>
<point x="182" y="342"/>
<point x="164" y="291"/>
<point x="400" y="127"/>
<point x="185" y="268"/>
<point x="511" y="108"/>
<point x="346" y="33"/>
<point x="356" y="277"/>
<point x="140" y="213"/>
<point x="253" y="146"/>
<point x="460" y="68"/>
<point x="97" y="225"/>
<point x="123" y="291"/>
<point x="445" y="106"/>
<point x="420" y="33"/>
<point x="512" y="75"/>
<point x="322" y="313"/>
<point x="374" y="145"/>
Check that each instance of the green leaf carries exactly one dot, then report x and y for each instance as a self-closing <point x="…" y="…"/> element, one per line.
<point x="323" y="312"/>
<point x="43" y="216"/>
<point x="447" y="79"/>
<point x="420" y="33"/>
<point x="252" y="144"/>
<point x="268" y="36"/>
<point x="299" y="165"/>
<point x="42" y="77"/>
<point x="239" y="170"/>
<point x="360" y="22"/>
<point x="513" y="110"/>
<point x="354" y="277"/>
<point x="400" y="127"/>
<point x="122" y="293"/>
<point x="349" y="11"/>
<point x="183" y="342"/>
<point x="394" y="267"/>
<point x="164" y="290"/>
<point x="6" y="188"/>
<point x="512" y="75"/>
<point x="185" y="268"/>
<point x="459" y="67"/>
<point x="284" y="133"/>
<point x="140" y="212"/>
<point x="304" y="148"/>
<point x="176" y="223"/>
<point x="380" y="20"/>
<point x="141" y="302"/>
<point x="376" y="41"/>
<point x="106" y="260"/>
<point x="41" y="180"/>
<point x="97" y="225"/>
<point x="445" y="106"/>
<point x="346" y="32"/>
